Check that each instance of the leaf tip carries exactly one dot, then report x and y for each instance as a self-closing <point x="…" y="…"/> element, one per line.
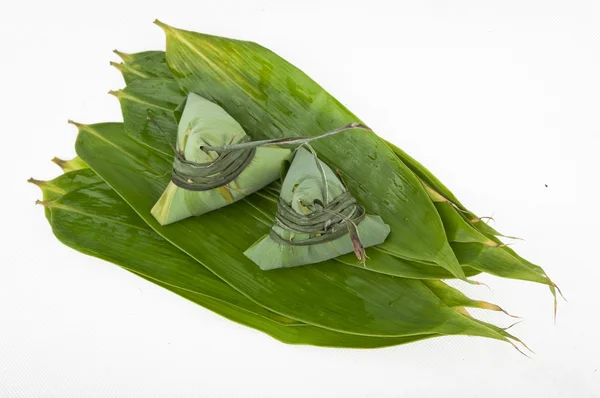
<point x="58" y="161"/>
<point x="553" y="289"/>
<point x="168" y="29"/>
<point x="163" y="25"/>
<point x="44" y="203"/>
<point x="559" y="291"/>
<point x="38" y="183"/>
<point x="509" y="338"/>
<point x="493" y="307"/>
<point x="125" y="57"/>
<point x="63" y="164"/>
<point x="80" y="126"/>
<point x="480" y="219"/>
<point x="510" y="326"/>
<point x="520" y="351"/>
<point x="472" y="282"/>
<point x="117" y="65"/>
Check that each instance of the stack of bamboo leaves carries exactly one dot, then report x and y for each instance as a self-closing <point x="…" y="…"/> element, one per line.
<point x="102" y="205"/>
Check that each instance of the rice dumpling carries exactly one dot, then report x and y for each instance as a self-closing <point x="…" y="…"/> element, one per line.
<point x="317" y="219"/>
<point x="204" y="181"/>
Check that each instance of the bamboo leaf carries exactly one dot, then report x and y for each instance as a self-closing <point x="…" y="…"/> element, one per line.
<point x="487" y="260"/>
<point x="384" y="263"/>
<point x="70" y="165"/>
<point x="485" y="252"/>
<point x="144" y="65"/>
<point x="152" y="96"/>
<point x="91" y="218"/>
<point x="456" y="299"/>
<point x="328" y="295"/>
<point x="457" y="228"/>
<point x="329" y="304"/>
<point x="271" y="98"/>
<point x="497" y="262"/>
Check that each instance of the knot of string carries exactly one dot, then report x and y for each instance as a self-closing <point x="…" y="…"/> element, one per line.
<point x="221" y="171"/>
<point x="326" y="221"/>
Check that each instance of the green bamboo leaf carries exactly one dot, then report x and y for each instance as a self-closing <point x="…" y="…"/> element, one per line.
<point x="124" y="231"/>
<point x="482" y="253"/>
<point x="152" y="96"/>
<point x="91" y="218"/>
<point x="459" y="224"/>
<point x="379" y="261"/>
<point x="456" y="299"/>
<point x="305" y="334"/>
<point x="155" y="96"/>
<point x="457" y="228"/>
<point x="70" y="165"/>
<point x="147" y="64"/>
<point x="496" y="261"/>
<point x="328" y="295"/>
<point x="271" y="98"/>
<point x="59" y="186"/>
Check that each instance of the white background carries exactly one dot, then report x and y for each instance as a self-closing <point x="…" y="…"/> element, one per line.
<point x="498" y="99"/>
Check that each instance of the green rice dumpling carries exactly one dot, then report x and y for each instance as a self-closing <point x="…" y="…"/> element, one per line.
<point x="205" y="181"/>
<point x="317" y="219"/>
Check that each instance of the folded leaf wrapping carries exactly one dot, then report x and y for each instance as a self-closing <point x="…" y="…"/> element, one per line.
<point x="304" y="192"/>
<point x="204" y="123"/>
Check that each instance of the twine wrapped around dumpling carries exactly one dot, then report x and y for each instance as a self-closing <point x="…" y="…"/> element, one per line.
<point x="203" y="181"/>
<point x="317" y="219"/>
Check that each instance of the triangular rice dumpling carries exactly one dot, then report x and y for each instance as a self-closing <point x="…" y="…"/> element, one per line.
<point x="199" y="184"/>
<point x="314" y="199"/>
